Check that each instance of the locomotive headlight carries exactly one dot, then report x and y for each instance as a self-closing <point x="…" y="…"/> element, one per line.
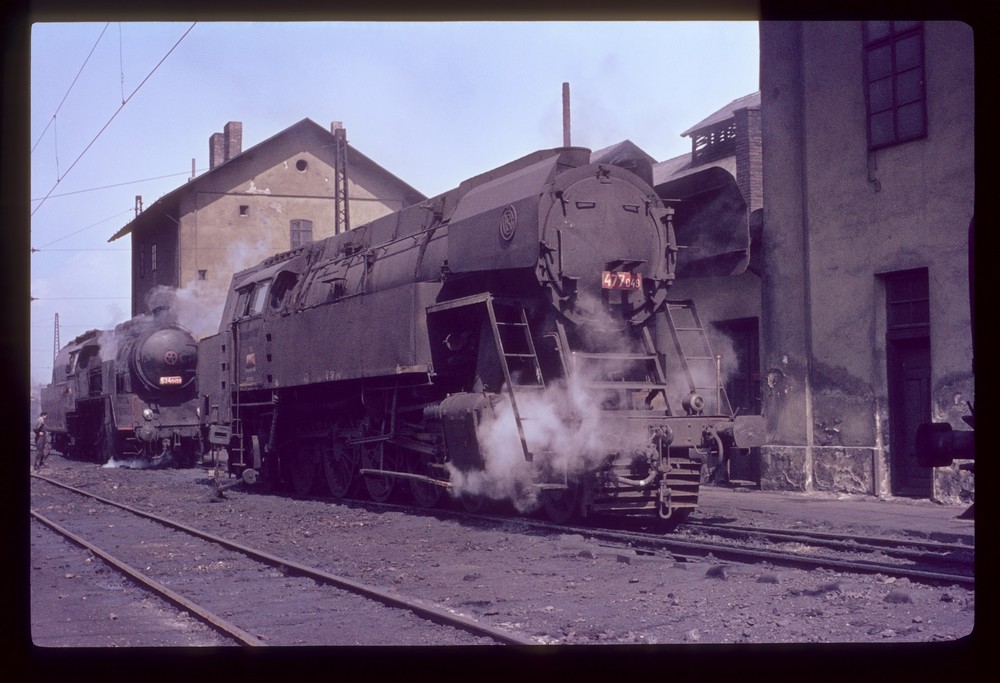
<point x="693" y="403"/>
<point x="147" y="413"/>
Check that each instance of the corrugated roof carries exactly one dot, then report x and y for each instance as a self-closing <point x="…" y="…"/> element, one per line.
<point x="751" y="101"/>
<point x="192" y="185"/>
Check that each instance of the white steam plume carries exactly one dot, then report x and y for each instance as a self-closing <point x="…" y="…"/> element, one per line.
<point x="566" y="429"/>
<point x="191" y="307"/>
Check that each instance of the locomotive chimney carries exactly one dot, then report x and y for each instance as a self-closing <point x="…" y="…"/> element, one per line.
<point x="565" y="100"/>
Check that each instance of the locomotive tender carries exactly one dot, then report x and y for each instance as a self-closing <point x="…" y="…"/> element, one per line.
<point x="127" y="394"/>
<point x="511" y="338"/>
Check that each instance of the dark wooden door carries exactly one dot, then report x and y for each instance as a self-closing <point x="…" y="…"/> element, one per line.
<point x="741" y="368"/>
<point x="909" y="405"/>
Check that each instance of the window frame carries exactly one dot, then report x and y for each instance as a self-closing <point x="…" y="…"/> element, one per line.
<point x="889" y="36"/>
<point x="299" y="228"/>
<point x="251" y="299"/>
<point x="907" y="303"/>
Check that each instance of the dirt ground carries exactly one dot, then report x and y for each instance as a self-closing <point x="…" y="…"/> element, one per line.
<point x="555" y="589"/>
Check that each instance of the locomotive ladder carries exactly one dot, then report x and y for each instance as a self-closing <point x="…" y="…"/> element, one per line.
<point x="695" y="353"/>
<point x="515" y="348"/>
<point x="652" y="376"/>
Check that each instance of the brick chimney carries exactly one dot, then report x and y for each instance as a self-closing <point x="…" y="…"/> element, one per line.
<point x="216" y="150"/>
<point x="233" y="133"/>
<point x="225" y="145"/>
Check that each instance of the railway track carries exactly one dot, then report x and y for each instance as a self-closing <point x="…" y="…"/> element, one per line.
<point x="253" y="597"/>
<point x="918" y="560"/>
<point x="960" y="554"/>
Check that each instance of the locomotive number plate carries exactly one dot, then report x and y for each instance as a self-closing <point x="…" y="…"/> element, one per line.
<point x="171" y="380"/>
<point x="620" y="280"/>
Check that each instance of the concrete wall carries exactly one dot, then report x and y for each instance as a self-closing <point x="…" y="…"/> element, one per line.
<point x="835" y="218"/>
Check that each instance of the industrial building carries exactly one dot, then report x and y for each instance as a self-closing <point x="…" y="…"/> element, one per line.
<point x="868" y="139"/>
<point x="302" y="184"/>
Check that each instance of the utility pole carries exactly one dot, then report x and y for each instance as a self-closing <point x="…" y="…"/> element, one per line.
<point x="55" y="341"/>
<point x="342" y="206"/>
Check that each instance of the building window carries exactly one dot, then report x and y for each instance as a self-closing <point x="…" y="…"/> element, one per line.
<point x="142" y="262"/>
<point x="894" y="82"/>
<point x="908" y="302"/>
<point x="152" y="259"/>
<point x="202" y="274"/>
<point x="244" y="210"/>
<point x="302" y="232"/>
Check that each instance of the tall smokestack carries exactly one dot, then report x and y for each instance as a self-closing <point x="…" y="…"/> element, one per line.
<point x="565" y="93"/>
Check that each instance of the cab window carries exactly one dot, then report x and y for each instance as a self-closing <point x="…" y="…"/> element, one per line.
<point x="241" y="303"/>
<point x="259" y="297"/>
<point x="251" y="300"/>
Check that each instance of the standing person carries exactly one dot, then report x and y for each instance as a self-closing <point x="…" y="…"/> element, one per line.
<point x="39" y="430"/>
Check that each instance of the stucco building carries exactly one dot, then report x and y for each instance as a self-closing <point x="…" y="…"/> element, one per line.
<point x="869" y="179"/>
<point x="301" y="184"/>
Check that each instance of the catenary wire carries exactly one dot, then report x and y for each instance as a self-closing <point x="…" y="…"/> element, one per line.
<point x="108" y="187"/>
<point x="76" y="232"/>
<point x="56" y="112"/>
<point x="117" y="111"/>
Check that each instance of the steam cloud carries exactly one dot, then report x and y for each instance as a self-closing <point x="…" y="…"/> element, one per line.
<point x="141" y="464"/>
<point x="566" y="426"/>
<point x="565" y="429"/>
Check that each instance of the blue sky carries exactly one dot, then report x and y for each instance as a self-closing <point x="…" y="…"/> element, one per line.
<point x="121" y="109"/>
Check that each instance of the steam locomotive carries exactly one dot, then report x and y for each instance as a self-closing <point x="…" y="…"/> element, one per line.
<point x="126" y="394"/>
<point x="509" y="339"/>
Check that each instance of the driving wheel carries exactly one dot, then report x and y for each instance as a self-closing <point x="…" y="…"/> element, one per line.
<point x="340" y="465"/>
<point x="378" y="456"/>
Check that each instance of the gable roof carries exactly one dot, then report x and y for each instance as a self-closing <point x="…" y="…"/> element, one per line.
<point x="172" y="199"/>
<point x="751" y="101"/>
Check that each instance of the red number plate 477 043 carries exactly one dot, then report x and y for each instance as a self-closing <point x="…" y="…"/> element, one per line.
<point x="620" y="280"/>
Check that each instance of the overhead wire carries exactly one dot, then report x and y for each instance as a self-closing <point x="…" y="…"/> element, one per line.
<point x="117" y="111"/>
<point x="76" y="232"/>
<point x="108" y="187"/>
<point x="82" y="66"/>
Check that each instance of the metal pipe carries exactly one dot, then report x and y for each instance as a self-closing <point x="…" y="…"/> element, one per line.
<point x="405" y="475"/>
<point x="565" y="100"/>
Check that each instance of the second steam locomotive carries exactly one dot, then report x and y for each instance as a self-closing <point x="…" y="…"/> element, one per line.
<point x="509" y="339"/>
<point x="127" y="394"/>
